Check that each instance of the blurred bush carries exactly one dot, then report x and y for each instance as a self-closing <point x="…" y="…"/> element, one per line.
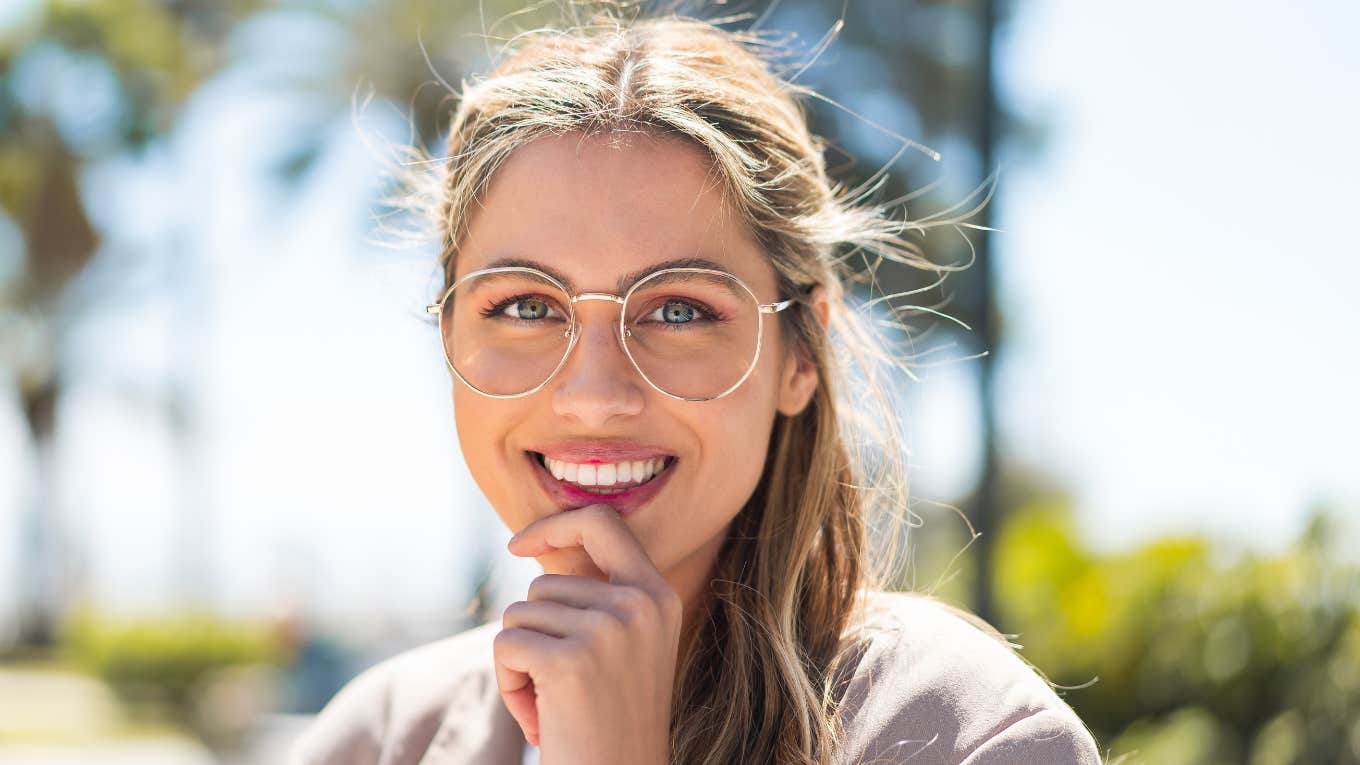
<point x="1188" y="657"/>
<point x="208" y="673"/>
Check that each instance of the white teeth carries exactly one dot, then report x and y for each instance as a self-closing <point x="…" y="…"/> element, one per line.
<point x="603" y="475"/>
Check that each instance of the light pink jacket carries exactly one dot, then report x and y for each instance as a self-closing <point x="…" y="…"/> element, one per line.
<point x="928" y="688"/>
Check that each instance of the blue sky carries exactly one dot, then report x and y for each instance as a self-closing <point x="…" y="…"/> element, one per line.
<point x="1179" y="266"/>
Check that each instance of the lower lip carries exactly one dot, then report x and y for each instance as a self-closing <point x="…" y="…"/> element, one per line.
<point x="569" y="497"/>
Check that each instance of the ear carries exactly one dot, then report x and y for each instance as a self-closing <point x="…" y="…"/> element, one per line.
<point x="799" y="379"/>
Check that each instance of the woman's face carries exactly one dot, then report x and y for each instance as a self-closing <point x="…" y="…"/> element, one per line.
<point x="594" y="209"/>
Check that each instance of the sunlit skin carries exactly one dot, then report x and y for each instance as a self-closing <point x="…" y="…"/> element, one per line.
<point x="586" y="662"/>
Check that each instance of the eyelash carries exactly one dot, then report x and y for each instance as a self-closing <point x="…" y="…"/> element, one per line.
<point x="704" y="312"/>
<point x="491" y="311"/>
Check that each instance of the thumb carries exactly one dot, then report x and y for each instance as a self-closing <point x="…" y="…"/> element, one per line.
<point x="517" y="692"/>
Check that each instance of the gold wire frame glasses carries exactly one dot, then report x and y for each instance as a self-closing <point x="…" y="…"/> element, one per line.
<point x="724" y="280"/>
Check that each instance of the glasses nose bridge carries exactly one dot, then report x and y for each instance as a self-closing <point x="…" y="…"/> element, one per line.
<point x="585" y="296"/>
<point x="598" y="296"/>
<point x="574" y="330"/>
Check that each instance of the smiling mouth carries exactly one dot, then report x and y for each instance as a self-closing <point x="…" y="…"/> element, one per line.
<point x="591" y="478"/>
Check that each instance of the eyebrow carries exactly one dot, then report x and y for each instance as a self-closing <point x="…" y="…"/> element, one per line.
<point x="624" y="282"/>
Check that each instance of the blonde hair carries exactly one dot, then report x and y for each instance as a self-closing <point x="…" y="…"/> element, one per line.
<point x="760" y="679"/>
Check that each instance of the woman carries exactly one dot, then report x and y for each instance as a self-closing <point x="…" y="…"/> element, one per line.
<point x="641" y="307"/>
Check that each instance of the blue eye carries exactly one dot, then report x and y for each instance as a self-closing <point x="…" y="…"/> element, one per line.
<point x="677" y="312"/>
<point x="680" y="315"/>
<point x="529" y="308"/>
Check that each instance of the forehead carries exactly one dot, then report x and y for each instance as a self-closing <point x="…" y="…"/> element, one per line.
<point x="595" y="209"/>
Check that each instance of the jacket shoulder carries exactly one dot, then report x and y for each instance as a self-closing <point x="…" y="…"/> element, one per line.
<point x="389" y="713"/>
<point x="938" y="683"/>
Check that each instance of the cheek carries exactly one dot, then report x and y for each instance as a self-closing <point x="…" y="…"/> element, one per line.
<point x="748" y="420"/>
<point x="736" y="434"/>
<point x="480" y="430"/>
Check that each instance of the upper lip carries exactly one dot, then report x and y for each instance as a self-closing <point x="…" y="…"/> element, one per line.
<point x="587" y="452"/>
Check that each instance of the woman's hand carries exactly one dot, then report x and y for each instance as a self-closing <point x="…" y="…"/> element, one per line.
<point x="585" y="666"/>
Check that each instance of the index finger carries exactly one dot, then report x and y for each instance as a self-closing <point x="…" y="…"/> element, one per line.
<point x="606" y="538"/>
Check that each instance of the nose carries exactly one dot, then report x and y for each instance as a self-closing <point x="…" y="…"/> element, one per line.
<point x="598" y="382"/>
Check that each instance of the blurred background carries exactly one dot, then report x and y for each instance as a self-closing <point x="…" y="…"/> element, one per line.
<point x="229" y="478"/>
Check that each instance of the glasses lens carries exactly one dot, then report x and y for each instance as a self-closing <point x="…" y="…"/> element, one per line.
<point x="693" y="334"/>
<point x="505" y="332"/>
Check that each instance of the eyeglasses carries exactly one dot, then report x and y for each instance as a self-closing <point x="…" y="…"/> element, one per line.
<point x="692" y="333"/>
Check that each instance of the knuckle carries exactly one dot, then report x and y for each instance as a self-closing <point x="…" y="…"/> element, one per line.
<point x="638" y="606"/>
<point x="602" y="623"/>
<point x="564" y="656"/>
<point x="515" y="609"/>
<point x="540" y="585"/>
<point x="581" y="656"/>
<point x="672" y="605"/>
<point x="633" y="601"/>
<point x="502" y="641"/>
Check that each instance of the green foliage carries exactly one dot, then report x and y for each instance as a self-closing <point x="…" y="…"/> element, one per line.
<point x="158" y="664"/>
<point x="1252" y="660"/>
